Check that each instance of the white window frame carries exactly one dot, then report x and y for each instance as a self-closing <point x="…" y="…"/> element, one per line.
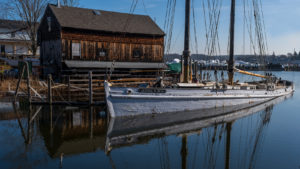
<point x="76" y="50"/>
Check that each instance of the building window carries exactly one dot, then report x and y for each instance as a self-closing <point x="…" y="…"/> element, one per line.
<point x="13" y="34"/>
<point x="2" y="49"/>
<point x="76" y="51"/>
<point x="137" y="53"/>
<point x="102" y="52"/>
<point x="49" y="23"/>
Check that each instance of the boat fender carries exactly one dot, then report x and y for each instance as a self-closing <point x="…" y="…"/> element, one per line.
<point x="129" y="91"/>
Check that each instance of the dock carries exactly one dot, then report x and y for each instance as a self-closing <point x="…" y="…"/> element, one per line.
<point x="81" y="88"/>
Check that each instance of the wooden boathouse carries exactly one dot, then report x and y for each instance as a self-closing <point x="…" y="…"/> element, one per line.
<point x="76" y="40"/>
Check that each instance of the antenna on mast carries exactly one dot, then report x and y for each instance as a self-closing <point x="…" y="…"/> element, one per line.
<point x="58" y="3"/>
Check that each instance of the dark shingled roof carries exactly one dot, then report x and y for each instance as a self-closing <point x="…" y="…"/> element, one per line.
<point x="81" y="18"/>
<point x="12" y="24"/>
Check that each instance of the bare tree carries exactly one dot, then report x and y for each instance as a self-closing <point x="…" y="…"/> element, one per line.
<point x="30" y="12"/>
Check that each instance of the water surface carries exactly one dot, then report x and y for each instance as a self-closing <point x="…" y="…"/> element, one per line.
<point x="71" y="137"/>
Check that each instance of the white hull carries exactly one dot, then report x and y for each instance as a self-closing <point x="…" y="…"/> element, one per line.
<point x="131" y="102"/>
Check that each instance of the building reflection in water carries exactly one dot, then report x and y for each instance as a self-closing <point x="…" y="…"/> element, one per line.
<point x="65" y="130"/>
<point x="73" y="131"/>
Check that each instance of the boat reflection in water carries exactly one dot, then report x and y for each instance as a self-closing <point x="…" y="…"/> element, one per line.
<point x="126" y="131"/>
<point x="69" y="131"/>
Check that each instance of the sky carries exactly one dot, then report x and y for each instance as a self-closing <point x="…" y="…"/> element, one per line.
<point x="281" y="19"/>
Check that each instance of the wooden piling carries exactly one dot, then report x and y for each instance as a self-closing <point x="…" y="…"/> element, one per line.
<point x="28" y="83"/>
<point x="196" y="72"/>
<point x="200" y="73"/>
<point x="49" y="89"/>
<point x="19" y="81"/>
<point x="90" y="88"/>
<point x="69" y="87"/>
<point x="91" y="122"/>
<point x="51" y="125"/>
<point x="29" y="125"/>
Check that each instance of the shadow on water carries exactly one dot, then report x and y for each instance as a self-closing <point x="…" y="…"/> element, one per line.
<point x="66" y="132"/>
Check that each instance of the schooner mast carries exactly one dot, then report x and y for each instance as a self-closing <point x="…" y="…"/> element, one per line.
<point x="231" y="47"/>
<point x="186" y="52"/>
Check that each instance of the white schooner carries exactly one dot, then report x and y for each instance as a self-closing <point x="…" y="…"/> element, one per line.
<point x="203" y="97"/>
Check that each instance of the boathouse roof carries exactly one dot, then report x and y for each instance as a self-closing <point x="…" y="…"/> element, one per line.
<point x="106" y="21"/>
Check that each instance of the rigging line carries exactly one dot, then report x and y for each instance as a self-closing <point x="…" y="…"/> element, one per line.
<point x="205" y="24"/>
<point x="195" y="30"/>
<point x="248" y="20"/>
<point x="263" y="30"/>
<point x="210" y="25"/>
<point x="131" y="11"/>
<point x="167" y="13"/>
<point x="217" y="19"/>
<point x="177" y="37"/>
<point x="212" y="159"/>
<point x="218" y="144"/>
<point x="159" y="152"/>
<point x="170" y="26"/>
<point x="264" y="26"/>
<point x="166" y="23"/>
<point x="240" y="143"/>
<point x="259" y="137"/>
<point x="212" y="38"/>
<point x="258" y="33"/>
<point x="214" y="28"/>
<point x="145" y="9"/>
<point x="208" y="147"/>
<point x="165" y="146"/>
<point x="207" y="136"/>
<point x="204" y="146"/>
<point x="247" y="140"/>
<point x="111" y="161"/>
<point x="195" y="152"/>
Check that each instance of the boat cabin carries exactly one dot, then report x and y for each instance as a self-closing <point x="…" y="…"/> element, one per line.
<point x="73" y="38"/>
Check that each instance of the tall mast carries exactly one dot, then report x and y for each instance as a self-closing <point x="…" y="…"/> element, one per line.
<point x="231" y="49"/>
<point x="186" y="52"/>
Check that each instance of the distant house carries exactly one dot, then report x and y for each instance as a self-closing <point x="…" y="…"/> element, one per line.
<point x="14" y="41"/>
<point x="79" y="38"/>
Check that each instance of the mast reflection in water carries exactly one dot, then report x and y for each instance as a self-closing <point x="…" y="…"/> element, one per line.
<point x="70" y="137"/>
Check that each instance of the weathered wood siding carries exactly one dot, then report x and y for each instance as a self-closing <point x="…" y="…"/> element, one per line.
<point x="49" y="39"/>
<point x="51" y="57"/>
<point x="118" y="47"/>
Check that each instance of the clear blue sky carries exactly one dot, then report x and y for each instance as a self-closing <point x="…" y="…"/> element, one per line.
<point x="281" y="20"/>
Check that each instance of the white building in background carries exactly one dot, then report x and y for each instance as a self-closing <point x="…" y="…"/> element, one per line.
<point x="14" y="41"/>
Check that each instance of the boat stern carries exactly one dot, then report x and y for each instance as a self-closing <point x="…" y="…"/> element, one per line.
<point x="109" y="104"/>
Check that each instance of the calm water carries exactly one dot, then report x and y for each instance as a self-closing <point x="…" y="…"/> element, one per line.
<point x="72" y="137"/>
